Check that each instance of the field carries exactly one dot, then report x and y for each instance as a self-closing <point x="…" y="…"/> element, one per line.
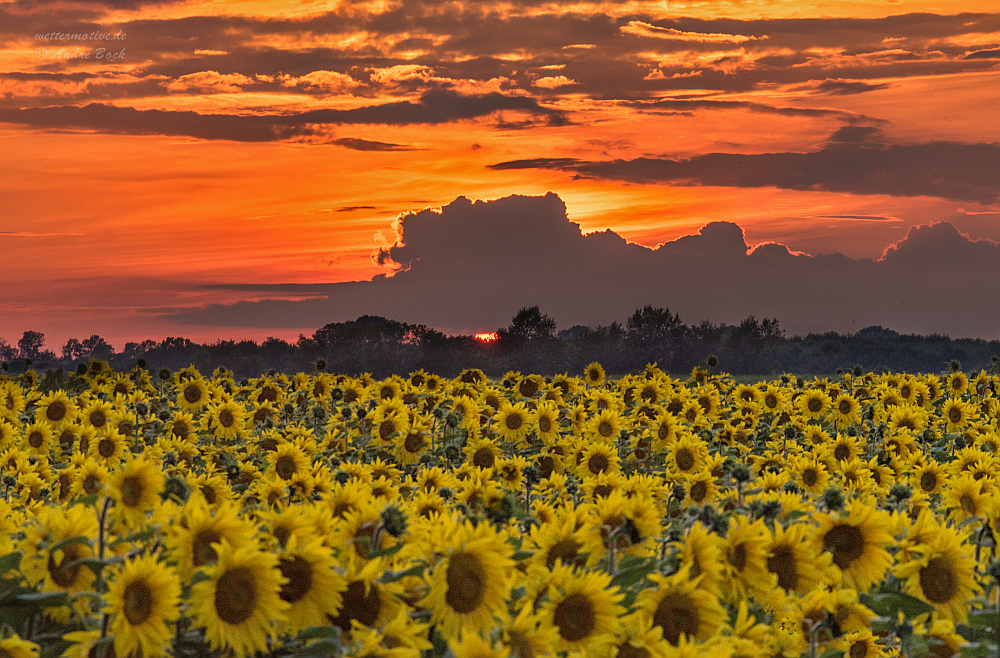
<point x="175" y="513"/>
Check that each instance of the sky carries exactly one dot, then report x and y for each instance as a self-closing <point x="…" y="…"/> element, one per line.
<point x="220" y="170"/>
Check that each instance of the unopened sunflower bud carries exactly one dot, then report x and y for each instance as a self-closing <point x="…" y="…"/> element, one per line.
<point x="394" y="521"/>
<point x="833" y="498"/>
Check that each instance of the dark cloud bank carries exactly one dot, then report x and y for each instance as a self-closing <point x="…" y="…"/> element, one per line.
<point x="471" y="266"/>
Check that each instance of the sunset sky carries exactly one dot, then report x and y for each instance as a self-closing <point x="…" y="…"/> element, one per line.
<point x="166" y="167"/>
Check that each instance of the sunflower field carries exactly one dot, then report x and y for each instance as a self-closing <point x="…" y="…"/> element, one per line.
<point x="646" y="516"/>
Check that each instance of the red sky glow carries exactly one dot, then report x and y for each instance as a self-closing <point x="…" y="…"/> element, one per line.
<point x="231" y="149"/>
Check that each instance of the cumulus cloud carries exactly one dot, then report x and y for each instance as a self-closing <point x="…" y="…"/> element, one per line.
<point x="471" y="265"/>
<point x="210" y="82"/>
<point x="554" y="81"/>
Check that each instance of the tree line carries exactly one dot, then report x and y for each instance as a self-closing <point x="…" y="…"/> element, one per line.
<point x="529" y="343"/>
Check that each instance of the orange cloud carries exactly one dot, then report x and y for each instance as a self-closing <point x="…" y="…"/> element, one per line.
<point x="641" y="29"/>
<point x="209" y="82"/>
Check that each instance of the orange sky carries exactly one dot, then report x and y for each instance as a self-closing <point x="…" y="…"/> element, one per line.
<point x="271" y="142"/>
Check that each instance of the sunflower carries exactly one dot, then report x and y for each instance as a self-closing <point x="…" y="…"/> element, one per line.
<point x="794" y="561"/>
<point x="565" y="539"/>
<point x="96" y="415"/>
<point x="510" y="471"/>
<point x="469" y="585"/>
<point x="584" y="610"/>
<point x="200" y="529"/>
<point x="413" y="444"/>
<point x="136" y="488"/>
<point x="56" y="409"/>
<point x="513" y="422"/>
<point x="846" y="447"/>
<point x="545" y="420"/>
<point x="744" y="560"/>
<point x="240" y="600"/>
<point x="957" y="414"/>
<point x="11" y="400"/>
<point x="907" y="417"/>
<point x="846" y="410"/>
<point x="680" y="608"/>
<point x="90" y="477"/>
<point x="663" y="430"/>
<point x="482" y="453"/>
<point x="700" y="559"/>
<point x="15" y="647"/>
<point x="38" y="439"/>
<point x="389" y="422"/>
<point x="604" y="426"/>
<point x="58" y="569"/>
<point x="313" y="587"/>
<point x="943" y="574"/>
<point x="686" y="455"/>
<point x="525" y="635"/>
<point x="598" y="458"/>
<point x="143" y="596"/>
<point x="365" y="599"/>
<point x="964" y="498"/>
<point x="192" y="395"/>
<point x="700" y="487"/>
<point x="857" y="539"/>
<point x="108" y="448"/>
<point x="594" y="375"/>
<point x="287" y="460"/>
<point x="810" y="473"/>
<point x="211" y="487"/>
<point x="813" y="404"/>
<point x="226" y="420"/>
<point x="956" y="383"/>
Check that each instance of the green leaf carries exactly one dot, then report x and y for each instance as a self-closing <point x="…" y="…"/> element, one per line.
<point x="10" y="562"/>
<point x="832" y="653"/>
<point x="794" y="514"/>
<point x="200" y="577"/>
<point x="143" y="536"/>
<point x="96" y="596"/>
<point x="984" y="619"/>
<point x="977" y="650"/>
<point x="44" y="599"/>
<point x="321" y="648"/>
<point x="56" y="649"/>
<point x="521" y="556"/>
<point x="393" y="576"/>
<point x="95" y="564"/>
<point x="62" y="544"/>
<point x="890" y="603"/>
<point x="625" y="578"/>
<point x="317" y="632"/>
<point x="386" y="552"/>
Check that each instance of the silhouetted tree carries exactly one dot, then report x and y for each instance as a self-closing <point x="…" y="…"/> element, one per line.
<point x="528" y="324"/>
<point x="32" y="346"/>
<point x="652" y="325"/>
<point x="7" y="351"/>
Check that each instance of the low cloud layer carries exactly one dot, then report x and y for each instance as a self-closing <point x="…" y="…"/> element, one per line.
<point x="470" y="267"/>
<point x="433" y="107"/>
<point x="949" y="170"/>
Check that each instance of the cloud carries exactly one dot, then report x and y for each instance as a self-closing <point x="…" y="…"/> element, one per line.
<point x="433" y="107"/>
<point x="471" y="265"/>
<point x="840" y="87"/>
<point x="210" y="82"/>
<point x="949" y="170"/>
<point x="368" y="145"/>
<point x="641" y="29"/>
<point x="553" y="82"/>
<point x="991" y="53"/>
